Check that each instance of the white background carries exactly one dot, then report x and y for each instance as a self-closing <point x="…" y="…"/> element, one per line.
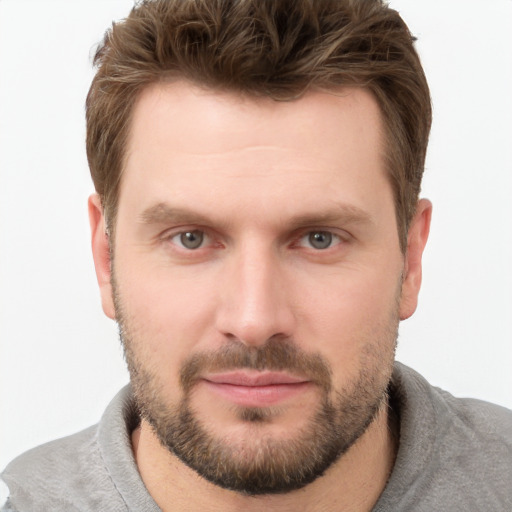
<point x="60" y="359"/>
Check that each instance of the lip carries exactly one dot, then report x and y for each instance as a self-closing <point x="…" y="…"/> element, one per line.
<point x="253" y="378"/>
<point x="255" y="389"/>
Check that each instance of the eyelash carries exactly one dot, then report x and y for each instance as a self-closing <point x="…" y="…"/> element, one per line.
<point x="334" y="239"/>
<point x="185" y="232"/>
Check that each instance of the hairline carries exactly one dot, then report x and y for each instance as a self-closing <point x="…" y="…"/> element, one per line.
<point x="170" y="78"/>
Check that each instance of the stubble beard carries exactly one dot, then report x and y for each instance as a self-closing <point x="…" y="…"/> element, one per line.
<point x="263" y="465"/>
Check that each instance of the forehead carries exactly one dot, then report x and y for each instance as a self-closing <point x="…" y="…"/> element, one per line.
<point x="226" y="150"/>
<point x="223" y="120"/>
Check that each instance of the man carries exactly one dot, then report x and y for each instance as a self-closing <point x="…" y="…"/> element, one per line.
<point x="257" y="235"/>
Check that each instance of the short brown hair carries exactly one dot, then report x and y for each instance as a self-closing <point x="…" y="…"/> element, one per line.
<point x="274" y="48"/>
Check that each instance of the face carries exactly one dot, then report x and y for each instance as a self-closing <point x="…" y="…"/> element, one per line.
<point x="257" y="279"/>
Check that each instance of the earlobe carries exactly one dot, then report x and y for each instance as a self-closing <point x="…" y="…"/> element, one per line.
<point x="101" y="253"/>
<point x="416" y="241"/>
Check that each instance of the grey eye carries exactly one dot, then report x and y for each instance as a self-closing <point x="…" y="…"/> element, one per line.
<point x="191" y="239"/>
<point x="320" y="239"/>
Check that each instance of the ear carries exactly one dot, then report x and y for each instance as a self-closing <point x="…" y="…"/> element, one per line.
<point x="416" y="241"/>
<point x="101" y="254"/>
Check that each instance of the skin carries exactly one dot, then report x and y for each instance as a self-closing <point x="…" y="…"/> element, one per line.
<point x="257" y="176"/>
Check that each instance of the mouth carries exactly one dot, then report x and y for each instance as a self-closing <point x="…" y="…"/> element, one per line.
<point x="255" y="388"/>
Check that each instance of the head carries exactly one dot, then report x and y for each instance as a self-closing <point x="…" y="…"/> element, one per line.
<point x="257" y="166"/>
<point x="277" y="50"/>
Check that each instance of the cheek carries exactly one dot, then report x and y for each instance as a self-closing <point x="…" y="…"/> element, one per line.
<point x="167" y="315"/>
<point x="350" y="318"/>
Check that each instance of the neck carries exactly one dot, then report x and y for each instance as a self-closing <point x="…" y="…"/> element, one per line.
<point x="353" y="483"/>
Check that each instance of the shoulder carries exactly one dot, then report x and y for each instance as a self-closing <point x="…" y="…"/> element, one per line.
<point x="65" y="453"/>
<point x="476" y="437"/>
<point x="58" y="474"/>
<point x="485" y="419"/>
<point x="474" y="423"/>
<point x="90" y="470"/>
<point x="454" y="453"/>
<point x="479" y="420"/>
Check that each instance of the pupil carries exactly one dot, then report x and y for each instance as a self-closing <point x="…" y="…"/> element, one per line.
<point x="320" y="239"/>
<point x="192" y="239"/>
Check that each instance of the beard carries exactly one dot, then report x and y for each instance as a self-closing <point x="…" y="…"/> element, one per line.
<point x="261" y="463"/>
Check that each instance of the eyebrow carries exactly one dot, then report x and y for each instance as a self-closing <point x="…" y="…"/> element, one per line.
<point x="345" y="213"/>
<point x="164" y="213"/>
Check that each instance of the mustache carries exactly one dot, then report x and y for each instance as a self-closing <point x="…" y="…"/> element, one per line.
<point x="274" y="355"/>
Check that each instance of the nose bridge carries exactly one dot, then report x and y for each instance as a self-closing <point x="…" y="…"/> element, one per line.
<point x="254" y="306"/>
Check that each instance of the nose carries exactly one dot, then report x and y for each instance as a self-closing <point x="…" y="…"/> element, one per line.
<point x="254" y="303"/>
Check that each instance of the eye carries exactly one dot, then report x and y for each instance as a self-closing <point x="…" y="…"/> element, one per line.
<point x="319" y="240"/>
<point x="189" y="239"/>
